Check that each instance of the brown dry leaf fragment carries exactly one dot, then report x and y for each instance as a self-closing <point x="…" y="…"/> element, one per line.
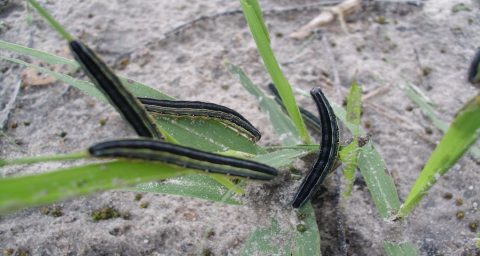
<point x="122" y="62"/>
<point x="328" y="15"/>
<point x="31" y="76"/>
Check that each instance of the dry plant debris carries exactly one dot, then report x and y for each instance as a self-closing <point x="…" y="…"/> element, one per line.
<point x="328" y="15"/>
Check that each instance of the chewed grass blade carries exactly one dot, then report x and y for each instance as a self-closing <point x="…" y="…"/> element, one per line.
<point x="20" y="192"/>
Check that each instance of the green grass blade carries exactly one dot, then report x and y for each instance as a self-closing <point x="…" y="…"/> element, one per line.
<point x="41" y="55"/>
<point x="307" y="243"/>
<point x="265" y="241"/>
<point x="43" y="159"/>
<point x="51" y="20"/>
<point x="400" y="249"/>
<point x="207" y="134"/>
<point x="463" y="132"/>
<point x="258" y="12"/>
<point x="273" y="240"/>
<point x="349" y="155"/>
<point x="195" y="185"/>
<point x="228" y="183"/>
<point x="380" y="184"/>
<point x="281" y="123"/>
<point x="282" y="158"/>
<point x="342" y="115"/>
<point x="141" y="90"/>
<point x="20" y="192"/>
<point x="354" y="108"/>
<point x="258" y="27"/>
<point x="416" y="95"/>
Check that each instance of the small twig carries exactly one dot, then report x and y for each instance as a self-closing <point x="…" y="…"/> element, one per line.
<point x="409" y="2"/>
<point x="328" y="15"/>
<point x="378" y="91"/>
<point x="180" y="28"/>
<point x="340" y="12"/>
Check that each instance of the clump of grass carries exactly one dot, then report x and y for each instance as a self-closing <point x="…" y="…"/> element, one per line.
<point x="473" y="226"/>
<point x="108" y="212"/>
<point x="54" y="211"/>
<point x="144" y="204"/>
<point x="301" y="228"/>
<point x="138" y="197"/>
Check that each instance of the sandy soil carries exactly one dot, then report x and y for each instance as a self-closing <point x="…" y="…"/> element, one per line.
<point x="429" y="46"/>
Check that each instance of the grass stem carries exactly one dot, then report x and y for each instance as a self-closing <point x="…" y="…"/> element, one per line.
<point x="253" y="15"/>
<point x="41" y="159"/>
<point x="44" y="13"/>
